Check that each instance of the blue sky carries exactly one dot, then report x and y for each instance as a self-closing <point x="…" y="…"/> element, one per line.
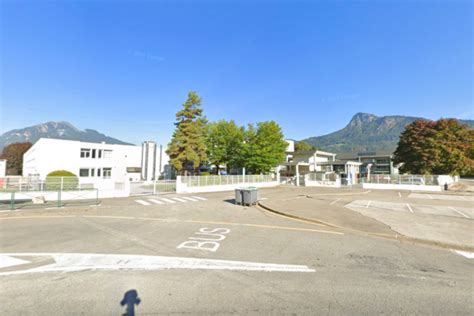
<point x="124" y="68"/>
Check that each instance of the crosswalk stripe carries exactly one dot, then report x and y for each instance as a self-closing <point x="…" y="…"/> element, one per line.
<point x="168" y="200"/>
<point x="179" y="200"/>
<point x="199" y="198"/>
<point x="189" y="198"/>
<point x="155" y="201"/>
<point x="142" y="202"/>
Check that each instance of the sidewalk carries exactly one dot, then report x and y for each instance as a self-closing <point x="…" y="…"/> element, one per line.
<point x="329" y="206"/>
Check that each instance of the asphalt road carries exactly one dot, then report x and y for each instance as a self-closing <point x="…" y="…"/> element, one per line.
<point x="243" y="261"/>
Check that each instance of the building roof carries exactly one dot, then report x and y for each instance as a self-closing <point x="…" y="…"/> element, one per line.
<point x="312" y="152"/>
<point x="340" y="162"/>
<point x="356" y="155"/>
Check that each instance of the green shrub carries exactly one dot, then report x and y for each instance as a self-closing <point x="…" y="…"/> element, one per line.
<point x="205" y="173"/>
<point x="53" y="180"/>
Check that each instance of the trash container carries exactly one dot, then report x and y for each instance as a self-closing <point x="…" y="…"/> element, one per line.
<point x="249" y="196"/>
<point x="238" y="196"/>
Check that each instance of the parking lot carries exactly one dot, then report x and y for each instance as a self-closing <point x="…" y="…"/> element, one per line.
<point x="204" y="255"/>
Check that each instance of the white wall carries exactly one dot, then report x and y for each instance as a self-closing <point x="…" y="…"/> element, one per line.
<point x="411" y="187"/>
<point x="47" y="155"/>
<point x="3" y="168"/>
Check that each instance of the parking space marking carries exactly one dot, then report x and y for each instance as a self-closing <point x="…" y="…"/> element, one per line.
<point x="189" y="199"/>
<point x="409" y="208"/>
<point x="399" y="194"/>
<point x="199" y="198"/>
<point x="142" y="202"/>
<point x="368" y="204"/>
<point x="155" y="201"/>
<point x="179" y="199"/>
<point x="334" y="202"/>
<point x="459" y="212"/>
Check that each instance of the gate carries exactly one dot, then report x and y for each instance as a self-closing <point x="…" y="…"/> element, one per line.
<point x="152" y="187"/>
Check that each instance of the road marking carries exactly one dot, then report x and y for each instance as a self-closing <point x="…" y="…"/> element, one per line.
<point x="208" y="239"/>
<point x="7" y="261"/>
<point x="142" y="202"/>
<point x="179" y="199"/>
<point x="199" y="198"/>
<point x="168" y="200"/>
<point x="184" y="221"/>
<point x="430" y="196"/>
<point x="459" y="212"/>
<point x="155" y="201"/>
<point x="334" y="202"/>
<point x="409" y="207"/>
<point x="368" y="204"/>
<point x="469" y="255"/>
<point x="70" y="262"/>
<point x="189" y="198"/>
<point x="399" y="194"/>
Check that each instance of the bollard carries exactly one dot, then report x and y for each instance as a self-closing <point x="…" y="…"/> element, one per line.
<point x="59" y="198"/>
<point x="12" y="201"/>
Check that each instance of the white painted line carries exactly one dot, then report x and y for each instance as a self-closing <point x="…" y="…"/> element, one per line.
<point x="334" y="202"/>
<point x="179" y="200"/>
<point x="368" y="204"/>
<point x="399" y="194"/>
<point x="69" y="262"/>
<point x="366" y="192"/>
<point x="155" y="201"/>
<point x="262" y="199"/>
<point x="430" y="196"/>
<point x="459" y="212"/>
<point x="201" y="198"/>
<point x="189" y="199"/>
<point x="409" y="207"/>
<point x="168" y="200"/>
<point x="7" y="261"/>
<point x="142" y="202"/>
<point x="469" y="255"/>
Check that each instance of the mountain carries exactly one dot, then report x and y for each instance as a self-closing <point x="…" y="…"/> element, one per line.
<point x="367" y="132"/>
<point x="61" y="130"/>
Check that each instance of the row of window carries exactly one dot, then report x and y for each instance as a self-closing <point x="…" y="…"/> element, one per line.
<point x="96" y="153"/>
<point x="92" y="172"/>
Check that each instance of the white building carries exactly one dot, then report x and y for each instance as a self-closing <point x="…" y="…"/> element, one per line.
<point x="91" y="162"/>
<point x="154" y="160"/>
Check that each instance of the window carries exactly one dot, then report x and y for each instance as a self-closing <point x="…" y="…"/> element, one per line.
<point x="83" y="172"/>
<point x="85" y="152"/>
<point x="107" y="154"/>
<point x="107" y="172"/>
<point x="92" y="172"/>
<point x="99" y="155"/>
<point x="93" y="153"/>
<point x="98" y="171"/>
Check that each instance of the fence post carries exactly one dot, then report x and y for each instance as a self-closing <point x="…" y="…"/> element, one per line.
<point x="41" y="186"/>
<point x="96" y="196"/>
<point x="59" y="198"/>
<point x="12" y="201"/>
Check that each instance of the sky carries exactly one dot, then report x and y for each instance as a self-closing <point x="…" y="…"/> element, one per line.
<point x="124" y="68"/>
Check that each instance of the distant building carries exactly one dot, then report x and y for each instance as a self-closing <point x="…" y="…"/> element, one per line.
<point x="379" y="162"/>
<point x="91" y="162"/>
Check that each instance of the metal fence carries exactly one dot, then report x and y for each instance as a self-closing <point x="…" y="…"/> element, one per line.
<point x="155" y="187"/>
<point x="199" y="181"/>
<point x="26" y="184"/>
<point x="401" y="179"/>
<point x="318" y="176"/>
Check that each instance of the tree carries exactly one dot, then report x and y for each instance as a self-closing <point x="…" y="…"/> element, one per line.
<point x="264" y="147"/>
<point x="224" y="143"/>
<point x="303" y="146"/>
<point x="13" y="153"/>
<point x="187" y="149"/>
<point x="436" y="147"/>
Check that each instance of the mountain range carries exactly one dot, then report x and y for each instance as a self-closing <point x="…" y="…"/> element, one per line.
<point x="61" y="130"/>
<point x="367" y="133"/>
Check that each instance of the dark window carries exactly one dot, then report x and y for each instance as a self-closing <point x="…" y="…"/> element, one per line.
<point x="84" y="172"/>
<point x="93" y="153"/>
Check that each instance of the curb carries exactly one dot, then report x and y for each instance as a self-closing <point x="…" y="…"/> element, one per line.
<point x="397" y="237"/>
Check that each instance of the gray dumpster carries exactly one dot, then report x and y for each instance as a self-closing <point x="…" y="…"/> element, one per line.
<point x="249" y="196"/>
<point x="238" y="196"/>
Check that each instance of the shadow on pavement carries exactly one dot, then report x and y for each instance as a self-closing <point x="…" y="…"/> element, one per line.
<point x="130" y="299"/>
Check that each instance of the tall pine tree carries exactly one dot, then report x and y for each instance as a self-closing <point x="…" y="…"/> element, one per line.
<point x="187" y="148"/>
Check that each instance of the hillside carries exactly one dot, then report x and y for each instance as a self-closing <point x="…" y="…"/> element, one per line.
<point x="367" y="132"/>
<point x="61" y="130"/>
